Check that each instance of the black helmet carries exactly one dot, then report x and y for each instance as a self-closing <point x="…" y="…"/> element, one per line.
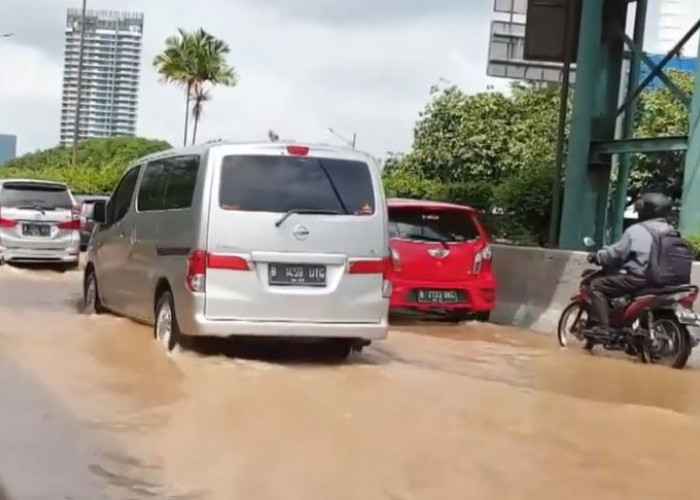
<point x="653" y="206"/>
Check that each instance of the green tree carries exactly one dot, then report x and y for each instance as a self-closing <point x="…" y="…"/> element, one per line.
<point x="101" y="163"/>
<point x="209" y="69"/>
<point x="660" y="113"/>
<point x="482" y="137"/>
<point x="174" y="65"/>
<point x="196" y="61"/>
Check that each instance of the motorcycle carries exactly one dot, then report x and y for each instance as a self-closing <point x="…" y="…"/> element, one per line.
<point x="658" y="326"/>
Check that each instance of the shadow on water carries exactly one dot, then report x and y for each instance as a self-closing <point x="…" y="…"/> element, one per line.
<point x="41" y="267"/>
<point x="281" y="351"/>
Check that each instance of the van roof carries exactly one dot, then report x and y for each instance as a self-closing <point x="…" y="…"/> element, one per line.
<point x="201" y="149"/>
<point x="407" y="203"/>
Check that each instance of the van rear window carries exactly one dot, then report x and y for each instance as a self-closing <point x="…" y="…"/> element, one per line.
<point x="432" y="225"/>
<point x="34" y="195"/>
<point x="281" y="183"/>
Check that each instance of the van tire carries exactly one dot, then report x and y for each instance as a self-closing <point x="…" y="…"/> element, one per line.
<point x="166" y="330"/>
<point x="339" y="349"/>
<point x="92" y="303"/>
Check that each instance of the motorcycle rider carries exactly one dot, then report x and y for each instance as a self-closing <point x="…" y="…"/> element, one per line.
<point x="629" y="256"/>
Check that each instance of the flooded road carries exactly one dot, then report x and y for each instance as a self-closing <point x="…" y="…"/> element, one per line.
<point x="435" y="412"/>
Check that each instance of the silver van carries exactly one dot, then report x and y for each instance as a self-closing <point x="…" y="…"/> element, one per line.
<point x="266" y="239"/>
<point x="39" y="223"/>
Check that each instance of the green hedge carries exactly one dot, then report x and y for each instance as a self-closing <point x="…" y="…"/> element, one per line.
<point x="100" y="164"/>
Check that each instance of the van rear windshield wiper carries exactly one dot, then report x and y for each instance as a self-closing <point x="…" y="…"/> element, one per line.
<point x="334" y="187"/>
<point x="304" y="211"/>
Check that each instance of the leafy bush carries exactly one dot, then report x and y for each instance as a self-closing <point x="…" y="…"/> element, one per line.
<point x="407" y="185"/>
<point x="695" y="244"/>
<point x="100" y="165"/>
<point x="527" y="199"/>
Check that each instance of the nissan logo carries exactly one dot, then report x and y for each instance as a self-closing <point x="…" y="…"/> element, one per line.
<point x="301" y="233"/>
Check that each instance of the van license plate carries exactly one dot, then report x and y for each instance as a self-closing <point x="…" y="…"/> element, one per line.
<point x="438" y="296"/>
<point x="297" y="275"/>
<point x="36" y="230"/>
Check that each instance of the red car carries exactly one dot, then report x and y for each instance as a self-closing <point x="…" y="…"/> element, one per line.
<point x="442" y="260"/>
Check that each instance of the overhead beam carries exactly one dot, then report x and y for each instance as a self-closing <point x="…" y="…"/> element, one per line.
<point x="647" y="145"/>
<point x="659" y="67"/>
<point x="675" y="89"/>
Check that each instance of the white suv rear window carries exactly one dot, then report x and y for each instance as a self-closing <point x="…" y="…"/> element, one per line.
<point x="34" y="195"/>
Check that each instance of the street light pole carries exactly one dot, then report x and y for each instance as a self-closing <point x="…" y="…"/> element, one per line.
<point x="78" y="98"/>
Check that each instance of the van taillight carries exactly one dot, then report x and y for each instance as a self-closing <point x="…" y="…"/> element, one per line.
<point x="383" y="267"/>
<point x="232" y="263"/>
<point x="196" y="271"/>
<point x="198" y="263"/>
<point x="371" y="266"/>
<point x="6" y="223"/>
<point x="298" y="150"/>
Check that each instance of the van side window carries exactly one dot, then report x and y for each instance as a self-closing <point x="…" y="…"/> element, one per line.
<point x="182" y="179"/>
<point x="152" y="190"/>
<point x="121" y="199"/>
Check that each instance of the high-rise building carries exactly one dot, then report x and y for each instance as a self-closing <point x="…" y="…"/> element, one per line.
<point x="110" y="76"/>
<point x="8" y="147"/>
<point x="668" y="21"/>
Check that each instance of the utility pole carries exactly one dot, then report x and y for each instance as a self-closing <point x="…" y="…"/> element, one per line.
<point x="78" y="99"/>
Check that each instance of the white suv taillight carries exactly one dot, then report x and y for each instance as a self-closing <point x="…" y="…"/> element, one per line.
<point x="484" y="255"/>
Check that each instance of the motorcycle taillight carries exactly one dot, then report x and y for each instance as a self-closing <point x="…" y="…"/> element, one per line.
<point x="689" y="300"/>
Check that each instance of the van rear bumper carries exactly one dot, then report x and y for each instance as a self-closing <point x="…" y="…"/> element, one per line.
<point x="208" y="328"/>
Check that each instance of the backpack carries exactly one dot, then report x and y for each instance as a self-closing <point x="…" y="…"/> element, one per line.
<point x="670" y="259"/>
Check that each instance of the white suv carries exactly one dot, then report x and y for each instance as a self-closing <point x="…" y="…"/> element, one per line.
<point x="39" y="222"/>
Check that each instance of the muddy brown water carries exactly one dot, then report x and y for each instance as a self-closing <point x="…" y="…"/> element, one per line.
<point x="435" y="412"/>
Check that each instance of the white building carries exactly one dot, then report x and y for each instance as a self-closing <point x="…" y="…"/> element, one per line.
<point x="110" y="77"/>
<point x="668" y="21"/>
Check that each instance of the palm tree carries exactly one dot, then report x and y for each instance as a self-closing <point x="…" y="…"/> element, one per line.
<point x="196" y="61"/>
<point x="209" y="69"/>
<point x="175" y="66"/>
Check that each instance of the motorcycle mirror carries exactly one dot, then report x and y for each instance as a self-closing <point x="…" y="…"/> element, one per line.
<point x="589" y="242"/>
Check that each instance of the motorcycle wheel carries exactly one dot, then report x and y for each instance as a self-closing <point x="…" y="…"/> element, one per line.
<point x="571" y="322"/>
<point x="671" y="347"/>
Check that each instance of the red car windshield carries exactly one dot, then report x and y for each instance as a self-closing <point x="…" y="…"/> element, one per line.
<point x="450" y="226"/>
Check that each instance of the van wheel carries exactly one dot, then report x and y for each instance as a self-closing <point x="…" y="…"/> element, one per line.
<point x="339" y="349"/>
<point x="92" y="304"/>
<point x="166" y="330"/>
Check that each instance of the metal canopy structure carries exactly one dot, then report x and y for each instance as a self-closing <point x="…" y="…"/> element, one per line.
<point x="593" y="141"/>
